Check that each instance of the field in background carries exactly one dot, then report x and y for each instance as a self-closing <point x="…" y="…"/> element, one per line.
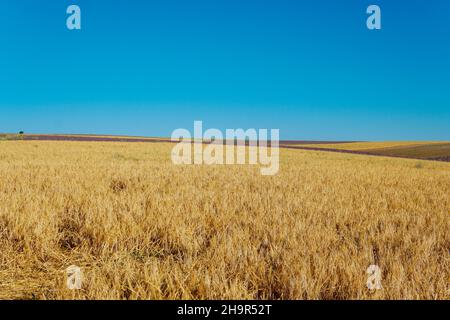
<point x="417" y="150"/>
<point x="429" y="151"/>
<point x="439" y="151"/>
<point x="142" y="228"/>
<point x="363" y="146"/>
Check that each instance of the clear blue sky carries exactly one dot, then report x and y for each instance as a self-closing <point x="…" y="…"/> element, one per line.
<point x="310" y="68"/>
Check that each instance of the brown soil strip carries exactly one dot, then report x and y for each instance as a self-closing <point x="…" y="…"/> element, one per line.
<point x="445" y="159"/>
<point x="89" y="138"/>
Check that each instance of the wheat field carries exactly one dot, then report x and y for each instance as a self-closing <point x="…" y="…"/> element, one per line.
<point x="140" y="227"/>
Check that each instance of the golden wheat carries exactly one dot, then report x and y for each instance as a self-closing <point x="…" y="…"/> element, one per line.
<point x="142" y="228"/>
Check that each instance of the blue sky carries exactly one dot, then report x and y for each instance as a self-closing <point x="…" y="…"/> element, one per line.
<point x="310" y="68"/>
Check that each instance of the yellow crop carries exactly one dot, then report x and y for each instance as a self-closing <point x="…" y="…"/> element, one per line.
<point x="140" y="227"/>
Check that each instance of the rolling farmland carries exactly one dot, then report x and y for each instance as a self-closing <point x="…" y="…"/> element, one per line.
<point x="438" y="151"/>
<point x="142" y="228"/>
